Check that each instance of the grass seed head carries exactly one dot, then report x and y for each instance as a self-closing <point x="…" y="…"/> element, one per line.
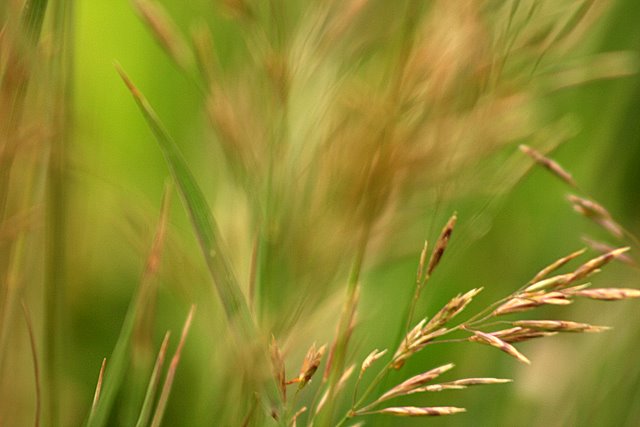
<point x="415" y="341"/>
<point x="481" y="381"/>
<point x="518" y="334"/>
<point x="527" y="301"/>
<point x="441" y="244"/>
<point x="551" y="165"/>
<point x="371" y="359"/>
<point x="597" y="213"/>
<point x="413" y="411"/>
<point x="607" y="294"/>
<point x="451" y="309"/>
<point x="504" y="346"/>
<point x="556" y="265"/>
<point x="310" y="364"/>
<point x="559" y="326"/>
<point x="421" y="264"/>
<point x="460" y="384"/>
<point x="549" y="283"/>
<point x="604" y="248"/>
<point x="595" y="264"/>
<point x="414" y="382"/>
<point x="277" y="363"/>
<point x="165" y="31"/>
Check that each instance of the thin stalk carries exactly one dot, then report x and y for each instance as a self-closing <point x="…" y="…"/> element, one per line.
<point x="13" y="90"/>
<point x="13" y="279"/>
<point x="36" y="369"/>
<point x="61" y="110"/>
<point x="145" y="411"/>
<point x="342" y="338"/>
<point x="171" y="373"/>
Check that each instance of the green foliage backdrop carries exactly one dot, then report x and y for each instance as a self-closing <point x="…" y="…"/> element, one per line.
<point x="113" y="190"/>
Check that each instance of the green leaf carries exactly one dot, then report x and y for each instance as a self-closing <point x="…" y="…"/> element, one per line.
<point x="227" y="287"/>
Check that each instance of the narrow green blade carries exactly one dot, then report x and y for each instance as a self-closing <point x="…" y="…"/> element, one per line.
<point x="145" y="412"/>
<point x="231" y="296"/>
<point x="120" y="358"/>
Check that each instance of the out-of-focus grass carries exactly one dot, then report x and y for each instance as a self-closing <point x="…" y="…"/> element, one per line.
<point x="116" y="176"/>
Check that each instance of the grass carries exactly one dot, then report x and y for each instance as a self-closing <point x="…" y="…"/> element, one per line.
<point x="332" y="140"/>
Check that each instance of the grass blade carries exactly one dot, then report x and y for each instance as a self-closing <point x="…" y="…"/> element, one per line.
<point x="34" y="355"/>
<point x="171" y="373"/>
<point x="96" y="395"/>
<point x="145" y="412"/>
<point x="231" y="296"/>
<point x="119" y="359"/>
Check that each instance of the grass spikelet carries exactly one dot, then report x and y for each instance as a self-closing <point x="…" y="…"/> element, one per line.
<point x="501" y="345"/>
<point x="371" y="359"/>
<point x="597" y="213"/>
<point x="165" y="31"/>
<point x="556" y="265"/>
<point x="415" y="341"/>
<point x="550" y="165"/>
<point x="604" y="248"/>
<point x="422" y="262"/>
<point x="460" y="384"/>
<point x="527" y="301"/>
<point x="518" y="334"/>
<point x="309" y="365"/>
<point x="441" y="244"/>
<point x="204" y="53"/>
<point x="413" y="411"/>
<point x="607" y="294"/>
<point x="171" y="372"/>
<point x="481" y="381"/>
<point x="594" y="264"/>
<point x="549" y="283"/>
<point x="414" y="382"/>
<point x="451" y="309"/>
<point x="559" y="326"/>
<point x="277" y="364"/>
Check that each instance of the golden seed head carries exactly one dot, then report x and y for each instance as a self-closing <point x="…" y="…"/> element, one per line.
<point x="310" y="364"/>
<point x="412" y="411"/>
<point x="504" y="346"/>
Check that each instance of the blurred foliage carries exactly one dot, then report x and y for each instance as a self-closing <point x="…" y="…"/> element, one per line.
<point x="114" y="184"/>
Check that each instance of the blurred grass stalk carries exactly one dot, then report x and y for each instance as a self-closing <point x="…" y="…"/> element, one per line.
<point x="318" y="137"/>
<point x="334" y="119"/>
<point x="61" y="110"/>
<point x="30" y="69"/>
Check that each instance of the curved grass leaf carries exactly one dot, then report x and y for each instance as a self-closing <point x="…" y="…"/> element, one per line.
<point x="227" y="287"/>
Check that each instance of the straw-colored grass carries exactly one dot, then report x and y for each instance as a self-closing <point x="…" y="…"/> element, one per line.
<point x="337" y="126"/>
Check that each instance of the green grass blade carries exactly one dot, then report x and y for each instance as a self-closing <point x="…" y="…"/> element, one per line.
<point x="171" y="373"/>
<point x="119" y="360"/>
<point x="96" y="394"/>
<point x="117" y="368"/>
<point x="231" y="296"/>
<point x="34" y="356"/>
<point x="149" y="397"/>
